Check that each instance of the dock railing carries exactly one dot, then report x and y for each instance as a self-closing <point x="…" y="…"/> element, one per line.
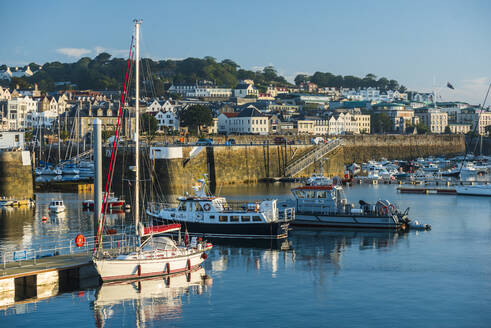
<point x="115" y="243"/>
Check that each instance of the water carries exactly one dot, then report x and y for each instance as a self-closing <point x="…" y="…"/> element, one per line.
<point x="437" y="278"/>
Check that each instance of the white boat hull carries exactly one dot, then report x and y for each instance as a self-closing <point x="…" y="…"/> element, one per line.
<point x="57" y="209"/>
<point x="119" y="269"/>
<point x="346" y="221"/>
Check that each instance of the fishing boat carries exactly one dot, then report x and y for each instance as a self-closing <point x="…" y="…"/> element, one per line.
<point x="213" y="216"/>
<point x="326" y="206"/>
<point x="113" y="203"/>
<point x="56" y="206"/>
<point x="153" y="254"/>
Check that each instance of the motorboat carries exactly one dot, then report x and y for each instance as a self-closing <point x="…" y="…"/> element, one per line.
<point x="213" y="216"/>
<point x="474" y="190"/>
<point x="47" y="170"/>
<point x="327" y="206"/>
<point x="57" y="206"/>
<point x="113" y="203"/>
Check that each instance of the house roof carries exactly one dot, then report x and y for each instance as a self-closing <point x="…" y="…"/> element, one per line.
<point x="229" y="115"/>
<point x="251" y="111"/>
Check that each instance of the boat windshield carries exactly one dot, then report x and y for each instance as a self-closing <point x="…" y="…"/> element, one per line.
<point x="161" y="243"/>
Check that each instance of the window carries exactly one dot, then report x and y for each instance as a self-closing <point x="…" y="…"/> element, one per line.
<point x="212" y="217"/>
<point x="16" y="138"/>
<point x="234" y="218"/>
<point x="223" y="218"/>
<point x="182" y="207"/>
<point x="256" y="218"/>
<point x="198" y="207"/>
<point x="245" y="218"/>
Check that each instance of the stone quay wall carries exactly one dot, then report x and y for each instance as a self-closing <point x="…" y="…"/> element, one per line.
<point x="16" y="179"/>
<point x="252" y="163"/>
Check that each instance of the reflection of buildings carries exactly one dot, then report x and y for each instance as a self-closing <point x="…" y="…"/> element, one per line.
<point x="154" y="299"/>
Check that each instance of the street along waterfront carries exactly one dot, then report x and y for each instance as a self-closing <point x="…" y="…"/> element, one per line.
<point x="317" y="277"/>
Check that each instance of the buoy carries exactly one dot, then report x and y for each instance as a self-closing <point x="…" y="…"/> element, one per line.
<point x="44" y="218"/>
<point x="79" y="240"/>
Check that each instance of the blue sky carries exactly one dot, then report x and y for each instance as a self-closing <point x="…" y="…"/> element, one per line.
<point x="422" y="44"/>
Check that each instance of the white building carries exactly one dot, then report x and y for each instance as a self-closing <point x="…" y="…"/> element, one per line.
<point x="195" y="91"/>
<point x="164" y="106"/>
<point x="244" y="90"/>
<point x="11" y="139"/>
<point x="434" y="119"/>
<point x="373" y="94"/>
<point x="249" y="121"/>
<point x="166" y="120"/>
<point x="15" y="72"/>
<point x="17" y="110"/>
<point x="4" y="93"/>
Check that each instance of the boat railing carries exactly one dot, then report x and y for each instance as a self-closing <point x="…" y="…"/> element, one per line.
<point x="287" y="214"/>
<point x="113" y="243"/>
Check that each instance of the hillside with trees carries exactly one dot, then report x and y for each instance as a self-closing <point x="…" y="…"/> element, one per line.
<point x="107" y="73"/>
<point x="348" y="81"/>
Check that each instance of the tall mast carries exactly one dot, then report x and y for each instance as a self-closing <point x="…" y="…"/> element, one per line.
<point x="137" y="126"/>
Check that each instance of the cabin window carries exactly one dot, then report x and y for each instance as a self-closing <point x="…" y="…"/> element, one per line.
<point x="182" y="207"/>
<point x="245" y="218"/>
<point x="234" y="218"/>
<point x="256" y="218"/>
<point x="198" y="207"/>
<point x="212" y="217"/>
<point x="300" y="194"/>
<point x="321" y="194"/>
<point x="223" y="218"/>
<point x="309" y="194"/>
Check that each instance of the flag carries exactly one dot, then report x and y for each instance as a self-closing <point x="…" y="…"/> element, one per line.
<point x="450" y="86"/>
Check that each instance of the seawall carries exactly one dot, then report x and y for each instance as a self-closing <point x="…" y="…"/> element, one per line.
<point x="252" y="163"/>
<point x="16" y="179"/>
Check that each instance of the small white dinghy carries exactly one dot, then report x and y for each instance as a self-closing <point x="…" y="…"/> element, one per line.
<point x="57" y="206"/>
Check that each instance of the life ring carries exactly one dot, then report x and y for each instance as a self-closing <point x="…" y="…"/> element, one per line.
<point x="206" y="207"/>
<point x="79" y="240"/>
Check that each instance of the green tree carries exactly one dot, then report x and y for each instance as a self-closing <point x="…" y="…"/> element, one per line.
<point x="422" y="128"/>
<point x="380" y="123"/>
<point x="149" y="124"/>
<point x="195" y="116"/>
<point x="64" y="135"/>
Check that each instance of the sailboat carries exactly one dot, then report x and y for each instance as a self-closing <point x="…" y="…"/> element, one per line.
<point x="154" y="255"/>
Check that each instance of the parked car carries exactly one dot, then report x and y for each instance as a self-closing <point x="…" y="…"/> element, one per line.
<point x="204" y="142"/>
<point x="279" y="140"/>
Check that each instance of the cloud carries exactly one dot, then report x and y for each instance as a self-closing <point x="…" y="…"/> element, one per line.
<point x="73" y="52"/>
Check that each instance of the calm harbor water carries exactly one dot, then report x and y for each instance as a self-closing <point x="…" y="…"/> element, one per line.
<point x="437" y="278"/>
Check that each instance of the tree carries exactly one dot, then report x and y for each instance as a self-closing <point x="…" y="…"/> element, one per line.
<point x="301" y="78"/>
<point x="64" y="135"/>
<point x="195" y="116"/>
<point x="422" y="128"/>
<point x="149" y="124"/>
<point x="380" y="123"/>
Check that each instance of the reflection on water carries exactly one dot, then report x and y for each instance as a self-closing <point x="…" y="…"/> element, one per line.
<point x="156" y="299"/>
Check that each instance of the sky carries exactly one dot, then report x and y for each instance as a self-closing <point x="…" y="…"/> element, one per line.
<point x="421" y="44"/>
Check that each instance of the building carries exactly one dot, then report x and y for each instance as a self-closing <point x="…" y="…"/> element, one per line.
<point x="15" y="72"/>
<point x="434" y="119"/>
<point x="243" y="90"/>
<point x="162" y="105"/>
<point x="457" y="128"/>
<point x="16" y="111"/>
<point x="249" y="121"/>
<point x="201" y="91"/>
<point x="4" y="93"/>
<point x="363" y="123"/>
<point x="11" y="140"/>
<point x="166" y="120"/>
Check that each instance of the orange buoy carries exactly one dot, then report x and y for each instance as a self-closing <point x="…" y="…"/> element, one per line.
<point x="79" y="240"/>
<point x="44" y="218"/>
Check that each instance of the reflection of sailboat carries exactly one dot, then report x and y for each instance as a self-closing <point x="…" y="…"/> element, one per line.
<point x="158" y="298"/>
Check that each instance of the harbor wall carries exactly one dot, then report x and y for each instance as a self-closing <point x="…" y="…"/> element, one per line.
<point x="252" y="163"/>
<point x="16" y="179"/>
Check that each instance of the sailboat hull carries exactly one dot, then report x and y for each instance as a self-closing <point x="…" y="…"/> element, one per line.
<point x="116" y="269"/>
